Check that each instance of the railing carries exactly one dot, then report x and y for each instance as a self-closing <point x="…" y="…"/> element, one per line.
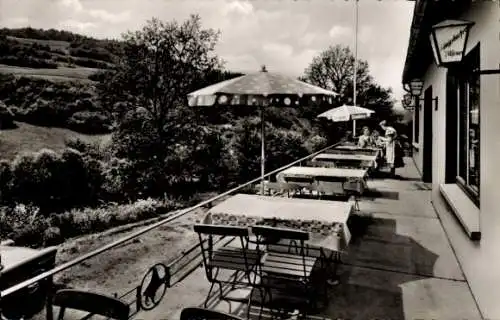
<point x="48" y="275"/>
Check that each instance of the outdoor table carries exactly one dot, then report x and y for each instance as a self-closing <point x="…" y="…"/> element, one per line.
<point x="326" y="221"/>
<point x="357" y="160"/>
<point x="347" y="149"/>
<point x="352" y="179"/>
<point x="20" y="264"/>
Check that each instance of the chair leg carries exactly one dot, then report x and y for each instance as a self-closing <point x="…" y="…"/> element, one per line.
<point x="249" y="303"/>
<point x="263" y="299"/>
<point x="233" y="286"/>
<point x="208" y="295"/>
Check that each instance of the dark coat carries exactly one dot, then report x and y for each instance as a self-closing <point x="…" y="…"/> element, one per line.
<point x="398" y="157"/>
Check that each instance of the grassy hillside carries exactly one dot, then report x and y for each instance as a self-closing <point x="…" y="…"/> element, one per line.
<point x="54" y="55"/>
<point x="45" y="79"/>
<point x="53" y="44"/>
<point x="28" y="137"/>
<point x="59" y="74"/>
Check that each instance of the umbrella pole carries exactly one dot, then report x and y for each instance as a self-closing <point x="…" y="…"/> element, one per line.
<point x="354" y="128"/>
<point x="262" y="149"/>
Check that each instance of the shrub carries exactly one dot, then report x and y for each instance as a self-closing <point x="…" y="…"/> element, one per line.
<point x="26" y="227"/>
<point x="46" y="113"/>
<point x="56" y="181"/>
<point x="78" y="222"/>
<point x="76" y="187"/>
<point x="24" y="183"/>
<point x="27" y="62"/>
<point x="5" y="181"/>
<point x="89" y="122"/>
<point x="116" y="179"/>
<point x="23" y="225"/>
<point x="6" y="117"/>
<point x="315" y="143"/>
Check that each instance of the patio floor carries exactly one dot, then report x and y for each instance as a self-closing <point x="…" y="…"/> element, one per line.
<point x="400" y="264"/>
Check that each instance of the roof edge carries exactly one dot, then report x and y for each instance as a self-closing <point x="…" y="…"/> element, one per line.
<point x="415" y="29"/>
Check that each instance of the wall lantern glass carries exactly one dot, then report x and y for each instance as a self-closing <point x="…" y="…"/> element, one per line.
<point x="449" y="41"/>
<point x="416" y="87"/>
<point x="408" y="102"/>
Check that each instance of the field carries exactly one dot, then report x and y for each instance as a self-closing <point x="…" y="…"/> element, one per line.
<point x="33" y="138"/>
<point x="59" y="74"/>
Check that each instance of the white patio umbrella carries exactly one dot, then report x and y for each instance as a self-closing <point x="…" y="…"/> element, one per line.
<point x="347" y="113"/>
<point x="260" y="89"/>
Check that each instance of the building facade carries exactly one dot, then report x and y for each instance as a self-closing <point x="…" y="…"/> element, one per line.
<point x="456" y="138"/>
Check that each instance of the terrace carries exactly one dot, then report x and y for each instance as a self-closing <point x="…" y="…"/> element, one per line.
<point x="398" y="265"/>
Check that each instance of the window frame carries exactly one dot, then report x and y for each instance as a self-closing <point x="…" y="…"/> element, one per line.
<point x="470" y="64"/>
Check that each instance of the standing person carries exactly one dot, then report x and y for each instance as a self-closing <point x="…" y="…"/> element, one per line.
<point x="393" y="150"/>
<point x="387" y="129"/>
<point x="365" y="140"/>
<point x="390" y="151"/>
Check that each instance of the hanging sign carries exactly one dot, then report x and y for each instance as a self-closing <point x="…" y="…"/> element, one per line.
<point x="449" y="40"/>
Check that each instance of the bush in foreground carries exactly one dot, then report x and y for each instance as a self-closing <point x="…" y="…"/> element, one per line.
<point x="26" y="227"/>
<point x="52" y="181"/>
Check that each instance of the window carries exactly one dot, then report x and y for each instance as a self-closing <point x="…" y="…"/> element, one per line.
<point x="416" y="122"/>
<point x="468" y="161"/>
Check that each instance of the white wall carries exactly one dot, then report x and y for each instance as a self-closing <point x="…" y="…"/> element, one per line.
<point x="480" y="261"/>
<point x="418" y="152"/>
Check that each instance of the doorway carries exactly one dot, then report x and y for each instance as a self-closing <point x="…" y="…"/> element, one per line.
<point x="427" y="147"/>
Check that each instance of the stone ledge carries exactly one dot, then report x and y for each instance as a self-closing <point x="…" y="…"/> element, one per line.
<point x="465" y="210"/>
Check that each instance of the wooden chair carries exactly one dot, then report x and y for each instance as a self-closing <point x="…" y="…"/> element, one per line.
<point x="333" y="186"/>
<point x="237" y="259"/>
<point x="290" y="187"/>
<point x="205" y="314"/>
<point x="272" y="188"/>
<point x="285" y="278"/>
<point x="93" y="303"/>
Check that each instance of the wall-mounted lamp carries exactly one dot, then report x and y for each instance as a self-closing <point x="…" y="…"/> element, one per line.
<point x="416" y="87"/>
<point x="449" y="42"/>
<point x="407" y="102"/>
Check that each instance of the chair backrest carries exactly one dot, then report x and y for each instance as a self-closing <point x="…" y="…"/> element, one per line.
<point x="290" y="238"/>
<point x="281" y="233"/>
<point x="273" y="186"/>
<point x="206" y="233"/>
<point x="230" y="231"/>
<point x="93" y="303"/>
<point x="330" y="188"/>
<point x="193" y="313"/>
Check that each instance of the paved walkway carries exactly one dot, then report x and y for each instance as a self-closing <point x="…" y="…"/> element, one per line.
<point x="400" y="264"/>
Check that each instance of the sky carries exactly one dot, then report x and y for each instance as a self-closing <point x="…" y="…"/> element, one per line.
<point x="284" y="35"/>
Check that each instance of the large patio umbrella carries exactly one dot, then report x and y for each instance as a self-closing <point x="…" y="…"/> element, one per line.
<point x="347" y="113"/>
<point x="260" y="89"/>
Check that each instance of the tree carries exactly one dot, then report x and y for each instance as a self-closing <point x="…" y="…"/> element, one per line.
<point x="158" y="66"/>
<point x="333" y="69"/>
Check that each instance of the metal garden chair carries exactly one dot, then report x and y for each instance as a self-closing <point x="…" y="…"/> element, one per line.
<point x="93" y="303"/>
<point x="286" y="279"/>
<point x="239" y="260"/>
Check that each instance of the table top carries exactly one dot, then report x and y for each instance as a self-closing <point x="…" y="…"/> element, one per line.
<point x="13" y="257"/>
<point x="325" y="172"/>
<point x="340" y="156"/>
<point x="318" y="217"/>
<point x="355" y="147"/>
<point x="267" y="207"/>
